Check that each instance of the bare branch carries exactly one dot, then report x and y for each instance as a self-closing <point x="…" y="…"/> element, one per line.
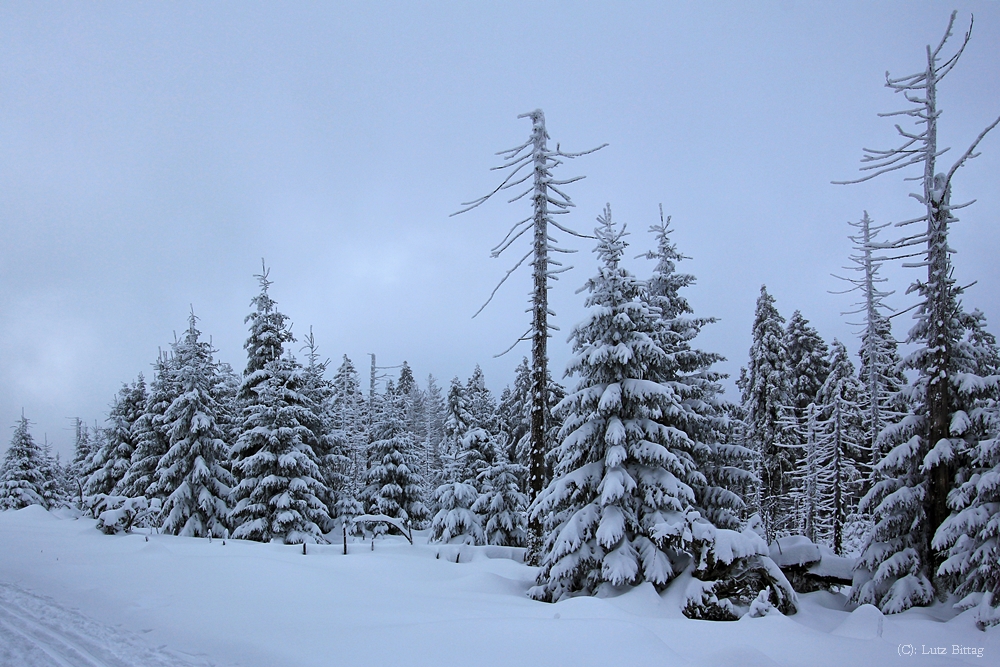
<point x="969" y="154"/>
<point x="502" y="281"/>
<point x="525" y="336"/>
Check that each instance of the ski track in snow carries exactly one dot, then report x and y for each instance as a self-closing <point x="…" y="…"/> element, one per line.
<point x="37" y="632"/>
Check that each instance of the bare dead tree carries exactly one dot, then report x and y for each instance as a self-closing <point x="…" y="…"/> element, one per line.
<point x="530" y="165"/>
<point x="937" y="313"/>
<point x="878" y="348"/>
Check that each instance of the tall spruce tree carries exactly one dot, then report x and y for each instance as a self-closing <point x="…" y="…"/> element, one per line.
<point x="150" y="432"/>
<point x="393" y="483"/>
<point x="618" y="508"/>
<point x="115" y="458"/>
<point x="334" y="450"/>
<point x="80" y="467"/>
<point x="842" y="451"/>
<point x="268" y="334"/>
<point x="931" y="446"/>
<point x="687" y="371"/>
<point x="766" y="392"/>
<point x="22" y="477"/>
<point x="349" y="414"/>
<point x="458" y="419"/>
<point x="807" y="359"/>
<point x="514" y="410"/>
<point x="56" y="489"/>
<point x="434" y="416"/>
<point x="455" y="519"/>
<point x="191" y="475"/>
<point x="501" y="503"/>
<point x="281" y="492"/>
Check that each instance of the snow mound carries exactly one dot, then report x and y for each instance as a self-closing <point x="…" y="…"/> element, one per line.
<point x="33" y="513"/>
<point x="834" y="567"/>
<point x="865" y="622"/>
<point x="744" y="656"/>
<point x="641" y="600"/>
<point x="794" y="550"/>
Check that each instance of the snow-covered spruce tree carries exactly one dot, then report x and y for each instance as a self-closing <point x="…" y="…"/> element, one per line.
<point x="930" y="455"/>
<point x="514" y="410"/>
<point x="281" y="494"/>
<point x="56" y="491"/>
<point x="895" y="566"/>
<point x="349" y="415"/>
<point x="393" y="484"/>
<point x="191" y="475"/>
<point x="22" y="481"/>
<point x="730" y="493"/>
<point x="455" y="522"/>
<point x="115" y="457"/>
<point x="618" y="509"/>
<point x="406" y="383"/>
<point x="406" y="386"/>
<point x="95" y="460"/>
<point x="883" y="378"/>
<point x="226" y="392"/>
<point x="970" y="537"/>
<point x="434" y="415"/>
<point x="687" y="371"/>
<point x="766" y="391"/>
<point x="880" y="361"/>
<point x="482" y="405"/>
<point x="268" y="335"/>
<point x="81" y="466"/>
<point x="811" y="504"/>
<point x="458" y="420"/>
<point x="533" y="160"/>
<point x="332" y="454"/>
<point x="454" y="519"/>
<point x="150" y="432"/>
<point x="842" y="451"/>
<point x="807" y="359"/>
<point x="501" y="503"/>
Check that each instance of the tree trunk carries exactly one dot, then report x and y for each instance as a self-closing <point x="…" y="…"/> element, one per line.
<point x="539" y="337"/>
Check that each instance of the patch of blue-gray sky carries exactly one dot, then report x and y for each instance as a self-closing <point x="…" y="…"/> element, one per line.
<point x="151" y="154"/>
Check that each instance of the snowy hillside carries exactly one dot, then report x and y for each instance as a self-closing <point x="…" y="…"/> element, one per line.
<point x="70" y="595"/>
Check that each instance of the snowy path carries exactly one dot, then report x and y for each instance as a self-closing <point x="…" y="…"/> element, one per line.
<point x="185" y="602"/>
<point x="36" y="632"/>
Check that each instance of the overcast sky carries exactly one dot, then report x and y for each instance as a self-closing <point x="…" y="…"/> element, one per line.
<point x="152" y="153"/>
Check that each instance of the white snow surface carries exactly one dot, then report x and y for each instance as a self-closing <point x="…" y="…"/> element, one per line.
<point x="794" y="550"/>
<point x="833" y="566"/>
<point x="70" y="595"/>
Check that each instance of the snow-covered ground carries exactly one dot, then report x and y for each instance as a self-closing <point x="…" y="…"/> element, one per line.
<point x="70" y="595"/>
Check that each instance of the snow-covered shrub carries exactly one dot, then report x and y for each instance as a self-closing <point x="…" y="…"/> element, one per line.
<point x="119" y="514"/>
<point x="731" y="569"/>
<point x="501" y="504"/>
<point x="455" y="522"/>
